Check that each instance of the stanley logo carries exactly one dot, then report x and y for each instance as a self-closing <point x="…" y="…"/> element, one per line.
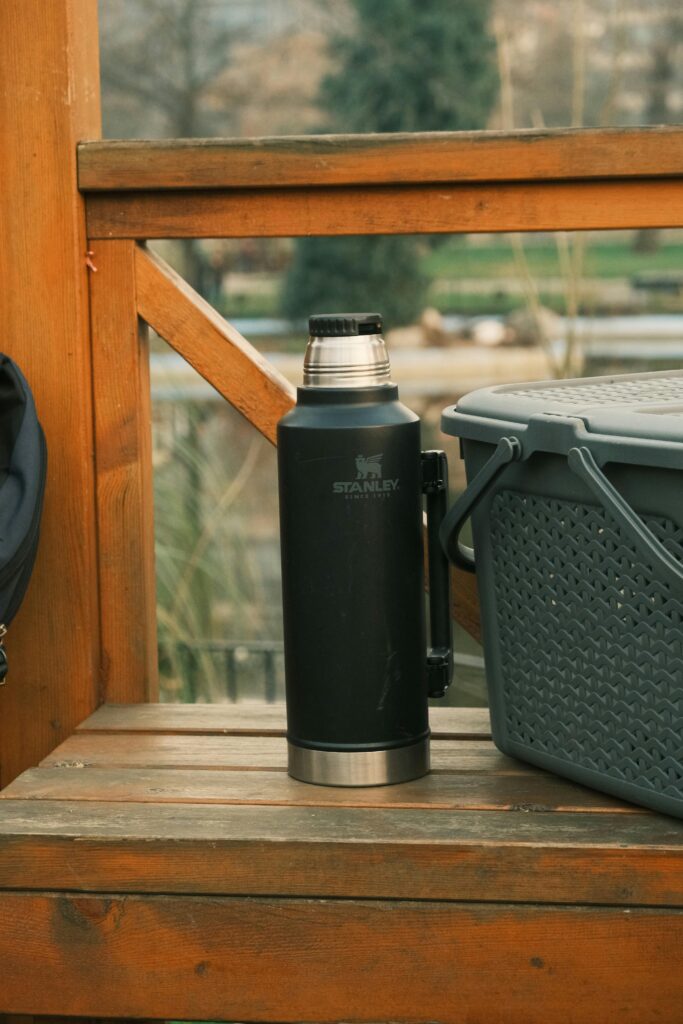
<point x="368" y="482"/>
<point x="369" y="467"/>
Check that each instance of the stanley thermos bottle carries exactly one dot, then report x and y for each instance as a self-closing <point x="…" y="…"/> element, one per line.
<point x="351" y="477"/>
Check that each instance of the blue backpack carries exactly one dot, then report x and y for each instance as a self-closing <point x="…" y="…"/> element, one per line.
<point x="23" y="465"/>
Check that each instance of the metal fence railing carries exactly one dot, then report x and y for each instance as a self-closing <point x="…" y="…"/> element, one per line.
<point x="254" y="669"/>
<point x="248" y="669"/>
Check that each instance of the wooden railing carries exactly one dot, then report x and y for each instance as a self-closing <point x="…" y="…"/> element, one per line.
<point x="529" y="181"/>
<point x="392" y="184"/>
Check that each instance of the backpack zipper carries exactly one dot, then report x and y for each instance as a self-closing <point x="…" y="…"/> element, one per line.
<point x="3" y="655"/>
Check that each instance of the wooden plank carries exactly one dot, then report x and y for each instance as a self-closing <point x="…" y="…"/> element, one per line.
<point x="378" y="210"/>
<point x="465" y="607"/>
<point x="125" y="520"/>
<point x="341" y="852"/>
<point x="380" y="159"/>
<point x="152" y="750"/>
<point x="300" y="960"/>
<point x="528" y="791"/>
<point x="212" y="346"/>
<point x="49" y="98"/>
<point x="249" y="718"/>
<point x="41" y="1019"/>
<point x="254" y="719"/>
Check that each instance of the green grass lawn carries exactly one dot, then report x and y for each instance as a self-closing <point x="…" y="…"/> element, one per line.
<point x="497" y="303"/>
<point x="252" y="305"/>
<point x="457" y="258"/>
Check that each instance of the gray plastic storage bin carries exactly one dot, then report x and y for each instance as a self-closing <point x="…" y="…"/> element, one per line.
<point x="576" y="497"/>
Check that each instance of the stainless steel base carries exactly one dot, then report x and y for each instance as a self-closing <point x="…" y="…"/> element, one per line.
<point x="359" y="767"/>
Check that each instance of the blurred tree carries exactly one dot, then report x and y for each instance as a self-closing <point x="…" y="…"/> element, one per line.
<point x="416" y="65"/>
<point x="162" y="75"/>
<point x="617" y="71"/>
<point x="665" y="52"/>
<point x="161" y="60"/>
<point x="161" y="63"/>
<point x="361" y="273"/>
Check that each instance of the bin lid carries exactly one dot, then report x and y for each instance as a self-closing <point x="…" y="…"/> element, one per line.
<point x="647" y="406"/>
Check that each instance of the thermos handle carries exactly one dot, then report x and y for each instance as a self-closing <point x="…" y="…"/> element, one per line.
<point x="440" y="653"/>
<point x="507" y="450"/>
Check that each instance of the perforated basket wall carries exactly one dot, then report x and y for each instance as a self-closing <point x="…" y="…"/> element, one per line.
<point x="590" y="643"/>
<point x="632" y="391"/>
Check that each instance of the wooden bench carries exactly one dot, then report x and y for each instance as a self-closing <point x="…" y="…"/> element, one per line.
<point x="161" y="863"/>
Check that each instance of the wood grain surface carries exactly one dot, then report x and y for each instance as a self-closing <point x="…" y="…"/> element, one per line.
<point x="49" y="99"/>
<point x="159" y="750"/>
<point x="240" y="959"/>
<point x="341" y="852"/>
<point x="465" y="607"/>
<point x="591" y="204"/>
<point x="442" y="791"/>
<point x="211" y="345"/>
<point x="144" y="809"/>
<point x="125" y="517"/>
<point x="164" y="853"/>
<point x="254" y="718"/>
<point x="557" y="154"/>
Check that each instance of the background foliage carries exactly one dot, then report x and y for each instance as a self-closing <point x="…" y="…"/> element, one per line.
<point x="428" y="66"/>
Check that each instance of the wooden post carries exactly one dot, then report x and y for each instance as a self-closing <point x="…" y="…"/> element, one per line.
<point x="123" y="443"/>
<point x="49" y="100"/>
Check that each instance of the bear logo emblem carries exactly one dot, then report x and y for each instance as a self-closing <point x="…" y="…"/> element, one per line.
<point x="369" y="467"/>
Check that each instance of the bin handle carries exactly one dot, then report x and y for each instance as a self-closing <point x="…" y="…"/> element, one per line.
<point x="582" y="463"/>
<point x="507" y="450"/>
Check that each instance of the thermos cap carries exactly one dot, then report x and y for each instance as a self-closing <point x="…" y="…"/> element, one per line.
<point x="335" y="325"/>
<point x="346" y="350"/>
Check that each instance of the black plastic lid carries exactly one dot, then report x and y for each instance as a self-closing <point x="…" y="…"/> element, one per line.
<point x="336" y="325"/>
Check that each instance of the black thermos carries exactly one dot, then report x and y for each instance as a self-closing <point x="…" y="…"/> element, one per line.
<point x="351" y="479"/>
